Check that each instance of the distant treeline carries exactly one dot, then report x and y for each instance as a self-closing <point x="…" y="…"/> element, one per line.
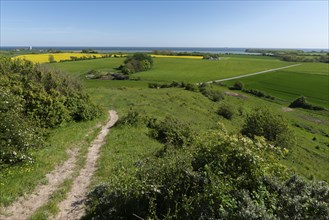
<point x="294" y="55"/>
<point x="207" y="56"/>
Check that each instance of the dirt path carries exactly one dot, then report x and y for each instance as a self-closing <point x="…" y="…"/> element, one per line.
<point x="252" y="74"/>
<point x="73" y="206"/>
<point x="25" y="206"/>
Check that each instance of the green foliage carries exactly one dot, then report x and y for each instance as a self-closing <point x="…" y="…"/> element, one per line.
<point x="132" y="118"/>
<point x="171" y="131"/>
<point x="51" y="59"/>
<point x="18" y="134"/>
<point x="258" y="93"/>
<point x="33" y="97"/>
<point x="263" y="122"/>
<point x="212" y="94"/>
<point x="302" y="103"/>
<point x="138" y="62"/>
<point x="237" y="86"/>
<point x="220" y="176"/>
<point x="226" y="110"/>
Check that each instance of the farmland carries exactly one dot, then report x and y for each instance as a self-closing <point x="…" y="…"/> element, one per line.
<point x="44" y="58"/>
<point x="308" y="79"/>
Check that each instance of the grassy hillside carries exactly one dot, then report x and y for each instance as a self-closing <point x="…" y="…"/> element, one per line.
<point x="309" y="158"/>
<point x="127" y="145"/>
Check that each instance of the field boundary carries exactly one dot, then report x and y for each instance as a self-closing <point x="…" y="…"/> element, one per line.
<point x="253" y="74"/>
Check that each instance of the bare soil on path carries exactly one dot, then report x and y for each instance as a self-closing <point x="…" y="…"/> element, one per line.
<point x="24" y="206"/>
<point x="73" y="206"/>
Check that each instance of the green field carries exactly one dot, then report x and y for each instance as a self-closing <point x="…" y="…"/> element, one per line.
<point x="309" y="79"/>
<point x="187" y="70"/>
<point x="196" y="71"/>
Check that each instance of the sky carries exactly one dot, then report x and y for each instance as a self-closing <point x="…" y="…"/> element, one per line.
<point x="257" y="24"/>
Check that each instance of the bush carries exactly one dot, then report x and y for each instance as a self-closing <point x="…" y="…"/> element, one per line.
<point x="226" y="110"/>
<point x="132" y="118"/>
<point x="263" y="122"/>
<point x="237" y="86"/>
<point x="220" y="177"/>
<point x="258" y="93"/>
<point x="32" y="98"/>
<point x="191" y="87"/>
<point x="171" y="131"/>
<point x="302" y="103"/>
<point x="18" y="134"/>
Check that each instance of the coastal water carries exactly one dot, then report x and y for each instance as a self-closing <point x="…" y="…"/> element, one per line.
<point x="222" y="50"/>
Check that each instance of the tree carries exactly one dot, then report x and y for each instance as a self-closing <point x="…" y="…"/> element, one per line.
<point x="51" y="59"/>
<point x="137" y="63"/>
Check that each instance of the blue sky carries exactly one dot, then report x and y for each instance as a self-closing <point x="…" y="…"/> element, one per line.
<point x="271" y="24"/>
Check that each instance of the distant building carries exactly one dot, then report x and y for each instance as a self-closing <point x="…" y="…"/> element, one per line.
<point x="30" y="47"/>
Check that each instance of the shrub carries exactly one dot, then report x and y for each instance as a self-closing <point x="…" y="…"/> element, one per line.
<point x="171" y="131"/>
<point x="263" y="122"/>
<point x="38" y="98"/>
<point x="221" y="177"/>
<point x="191" y="87"/>
<point x="237" y="86"/>
<point x="226" y="110"/>
<point x="258" y="93"/>
<point x="301" y="102"/>
<point x="132" y="118"/>
<point x="18" y="134"/>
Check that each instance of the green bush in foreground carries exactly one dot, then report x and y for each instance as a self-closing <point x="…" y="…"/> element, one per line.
<point x="18" y="134"/>
<point x="32" y="98"/>
<point x="263" y="122"/>
<point x="220" y="176"/>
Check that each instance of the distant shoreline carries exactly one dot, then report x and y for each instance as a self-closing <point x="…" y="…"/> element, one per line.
<point x="222" y="50"/>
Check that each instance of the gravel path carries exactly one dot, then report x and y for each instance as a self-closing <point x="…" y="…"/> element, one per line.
<point x="72" y="207"/>
<point x="252" y="74"/>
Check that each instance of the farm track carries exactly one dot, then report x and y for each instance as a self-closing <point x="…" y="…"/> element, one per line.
<point x="72" y="207"/>
<point x="252" y="74"/>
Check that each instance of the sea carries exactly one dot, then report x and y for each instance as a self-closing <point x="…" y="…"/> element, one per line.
<point x="220" y="50"/>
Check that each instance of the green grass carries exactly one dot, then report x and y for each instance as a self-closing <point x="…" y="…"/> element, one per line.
<point x="50" y="208"/>
<point x="173" y="69"/>
<point x="308" y="158"/>
<point x="80" y="68"/>
<point x="310" y="80"/>
<point x="21" y="179"/>
<point x="206" y="70"/>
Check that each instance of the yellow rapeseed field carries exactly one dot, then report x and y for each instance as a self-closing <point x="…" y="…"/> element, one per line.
<point x="44" y="58"/>
<point x="169" y="56"/>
